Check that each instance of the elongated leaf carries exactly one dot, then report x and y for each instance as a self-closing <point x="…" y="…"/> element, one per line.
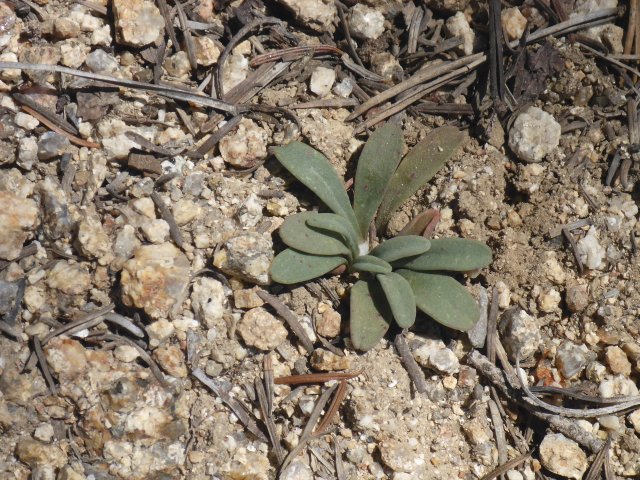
<point x="423" y="224"/>
<point x="371" y="264"/>
<point x="417" y="168"/>
<point x="316" y="172"/>
<point x="370" y="315"/>
<point x="378" y="160"/>
<point x="338" y="225"/>
<point x="455" y="254"/>
<point x="298" y="235"/>
<point x="443" y="299"/>
<point x="291" y="266"/>
<point x="401" y="247"/>
<point x="400" y="298"/>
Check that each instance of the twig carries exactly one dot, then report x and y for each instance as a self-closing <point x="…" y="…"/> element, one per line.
<point x="289" y="317"/>
<point x="414" y="29"/>
<point x="333" y="409"/>
<point x="267" y="417"/>
<point x="314" y="378"/>
<point x="498" y="427"/>
<point x="347" y="34"/>
<point x="149" y="146"/>
<point x="168" y="24"/>
<point x="574" y="248"/>
<point x="167" y="216"/>
<point x="57" y="129"/>
<point x="632" y="29"/>
<point x="37" y="348"/>
<point x="255" y="82"/>
<point x="24" y="100"/>
<point x="12" y="315"/>
<point x="496" y="69"/>
<point x="125" y="323"/>
<point x="293" y="53"/>
<point x="613" y="168"/>
<point x="506" y="467"/>
<point x="188" y="40"/>
<point x="326" y="103"/>
<point x="410" y="364"/>
<point x="338" y="459"/>
<point x="79" y="324"/>
<point x="598" y="462"/>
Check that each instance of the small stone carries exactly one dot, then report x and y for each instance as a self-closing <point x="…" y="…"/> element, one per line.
<point x="444" y="361"/>
<point x="138" y="22"/>
<point x="259" y="329"/>
<point x="155" y="279"/>
<point x="513" y="23"/>
<point x="366" y="23"/>
<point x="185" y="211"/>
<point x="514" y="475"/>
<point x="315" y="14"/>
<point x="247" y="298"/>
<point x="570" y="359"/>
<point x="178" y="65"/>
<point x="18" y="217"/>
<point x="344" y="87"/>
<point x="617" y="386"/>
<point x="328" y="361"/>
<point x="247" y="256"/>
<point x="610" y="422"/>
<point x="93" y="241"/>
<point x="477" y="432"/>
<point x="590" y="252"/>
<point x="37" y="454"/>
<point x="44" y="433"/>
<point x="448" y="6"/>
<point x="618" y="361"/>
<point x="246" y="146"/>
<point x="26" y="121"/>
<point x="563" y="456"/>
<point x="297" y="471"/>
<point x="65" y="356"/>
<point x="634" y="419"/>
<point x="328" y="323"/>
<point x="386" y="65"/>
<point x="235" y="71"/>
<point x="156" y="231"/>
<point x="207" y="51"/>
<point x="159" y="331"/>
<point x="577" y="298"/>
<point x="549" y="300"/>
<point x="520" y="332"/>
<point x="52" y="145"/>
<point x="458" y="26"/>
<point x="399" y="456"/>
<point x="69" y="278"/>
<point x="208" y="300"/>
<point x="100" y="61"/>
<point x="171" y="360"/>
<point x="534" y="134"/>
<point x="64" y="28"/>
<point x="126" y="353"/>
<point x="126" y="243"/>
<point x="322" y="80"/>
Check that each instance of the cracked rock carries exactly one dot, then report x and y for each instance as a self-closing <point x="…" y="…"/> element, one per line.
<point x="520" y="333"/>
<point x="247" y="256"/>
<point x="259" y="329"/>
<point x="138" y="22"/>
<point x="563" y="456"/>
<point x="18" y="217"/>
<point x="534" y="134"/>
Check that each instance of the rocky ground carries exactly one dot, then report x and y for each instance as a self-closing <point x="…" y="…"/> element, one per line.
<point x="139" y="214"/>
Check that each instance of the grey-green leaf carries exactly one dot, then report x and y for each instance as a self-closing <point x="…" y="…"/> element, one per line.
<point x="318" y="175"/>
<point x="298" y="235"/>
<point x="443" y="299"/>
<point x="371" y="264"/>
<point x="378" y="160"/>
<point x="370" y="316"/>
<point x="400" y="298"/>
<point x="338" y="225"/>
<point x="401" y="247"/>
<point x="455" y="254"/>
<point x="417" y="168"/>
<point x="291" y="266"/>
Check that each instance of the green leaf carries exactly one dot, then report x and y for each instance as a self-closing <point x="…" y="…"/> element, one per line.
<point x="455" y="254"/>
<point x="401" y="247"/>
<point x="378" y="160"/>
<point x="370" y="316"/>
<point x="298" y="235"/>
<point x="443" y="299"/>
<point x="417" y="168"/>
<point x="371" y="264"/>
<point x="338" y="225"/>
<point x="291" y="266"/>
<point x="316" y="172"/>
<point x="400" y="298"/>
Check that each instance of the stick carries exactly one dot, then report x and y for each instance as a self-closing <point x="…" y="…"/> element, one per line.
<point x="289" y="317"/>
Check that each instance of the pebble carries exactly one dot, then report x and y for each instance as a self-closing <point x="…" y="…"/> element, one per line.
<point x="477" y="432"/>
<point x="435" y="355"/>
<point x="244" y="147"/>
<point x="159" y="331"/>
<point x="322" y="79"/>
<point x="328" y="322"/>
<point x="449" y="6"/>
<point x="44" y="433"/>
<point x="247" y="256"/>
<point x="618" y="361"/>
<point x="38" y="454"/>
<point x="399" y="456"/>
<point x="235" y="71"/>
<point x="207" y="52"/>
<point x="634" y="419"/>
<point x="126" y="353"/>
<point x="247" y="298"/>
<point x="366" y="23"/>
<point x="513" y="23"/>
<point x="617" y="386"/>
<point x="27" y="152"/>
<point x="319" y="15"/>
<point x="610" y="422"/>
<point x="69" y="278"/>
<point x="549" y="300"/>
<point x="343" y="88"/>
<point x="93" y="240"/>
<point x="328" y="361"/>
<point x="100" y="61"/>
<point x="590" y="252"/>
<point x="297" y="470"/>
<point x="138" y="22"/>
<point x="73" y="53"/>
<point x="520" y="333"/>
<point x="65" y="356"/>
<point x="570" y="359"/>
<point x="18" y="217"/>
<point x="208" y="300"/>
<point x="458" y="26"/>
<point x="155" y="279"/>
<point x="64" y="28"/>
<point x="534" y="134"/>
<point x="577" y="298"/>
<point x="259" y="329"/>
<point x="52" y="145"/>
<point x="26" y="121"/>
<point x="156" y="231"/>
<point x="563" y="456"/>
<point x="171" y="360"/>
<point x="386" y="65"/>
<point x="178" y="65"/>
<point x="185" y="211"/>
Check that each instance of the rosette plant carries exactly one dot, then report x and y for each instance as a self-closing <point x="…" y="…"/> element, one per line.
<point x="399" y="275"/>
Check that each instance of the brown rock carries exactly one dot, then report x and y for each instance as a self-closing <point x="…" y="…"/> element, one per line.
<point x="258" y="328"/>
<point x="328" y="321"/>
<point x="39" y="454"/>
<point x="65" y="356"/>
<point x="577" y="298"/>
<point x="618" y="361"/>
<point x="65" y="28"/>
<point x="18" y="217"/>
<point x="138" y="22"/>
<point x="171" y="359"/>
<point x="69" y="278"/>
<point x="328" y="361"/>
<point x="247" y="298"/>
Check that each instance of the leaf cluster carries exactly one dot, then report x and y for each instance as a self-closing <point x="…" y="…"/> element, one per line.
<point x="399" y="275"/>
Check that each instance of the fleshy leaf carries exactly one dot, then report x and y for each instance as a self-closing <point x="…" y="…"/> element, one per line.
<point x="443" y="299"/>
<point x="370" y="316"/>
<point x="401" y="247"/>
<point x="371" y="264"/>
<point x="423" y="224"/>
<point x="291" y="266"/>
<point x="378" y="160"/>
<point x="316" y="172"/>
<point x="298" y="235"/>
<point x="338" y="225"/>
<point x="400" y="298"/>
<point x="455" y="254"/>
<point x="417" y="168"/>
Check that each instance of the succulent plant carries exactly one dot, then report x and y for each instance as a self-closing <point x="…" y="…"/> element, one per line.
<point x="399" y="275"/>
